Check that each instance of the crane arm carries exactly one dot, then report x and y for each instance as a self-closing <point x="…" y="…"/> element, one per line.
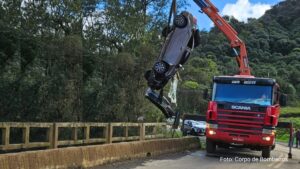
<point x="236" y="43"/>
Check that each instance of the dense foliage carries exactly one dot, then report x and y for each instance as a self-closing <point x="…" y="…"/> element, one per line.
<point x="85" y="60"/>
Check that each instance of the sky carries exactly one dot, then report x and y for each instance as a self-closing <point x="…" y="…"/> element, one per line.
<point x="240" y="9"/>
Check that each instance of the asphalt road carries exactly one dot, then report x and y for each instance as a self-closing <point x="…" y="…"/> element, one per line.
<point x="223" y="159"/>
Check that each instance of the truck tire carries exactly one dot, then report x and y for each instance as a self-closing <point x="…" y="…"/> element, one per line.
<point x="210" y="146"/>
<point x="266" y="152"/>
<point x="273" y="147"/>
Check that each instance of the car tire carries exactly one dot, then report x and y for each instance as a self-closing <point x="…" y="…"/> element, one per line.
<point x="210" y="146"/>
<point x="266" y="152"/>
<point x="193" y="133"/>
<point x="160" y="68"/>
<point x="180" y="21"/>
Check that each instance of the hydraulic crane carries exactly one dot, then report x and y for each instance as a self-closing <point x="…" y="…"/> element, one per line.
<point x="236" y="43"/>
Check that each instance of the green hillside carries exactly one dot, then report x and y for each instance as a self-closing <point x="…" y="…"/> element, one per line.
<point x="86" y="61"/>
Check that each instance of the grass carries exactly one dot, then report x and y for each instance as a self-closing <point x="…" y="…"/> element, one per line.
<point x="290" y="110"/>
<point x="169" y="133"/>
<point x="284" y="134"/>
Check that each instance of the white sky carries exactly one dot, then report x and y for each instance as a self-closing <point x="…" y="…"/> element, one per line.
<point x="243" y="9"/>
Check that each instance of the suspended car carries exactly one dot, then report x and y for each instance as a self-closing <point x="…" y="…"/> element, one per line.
<point x="181" y="38"/>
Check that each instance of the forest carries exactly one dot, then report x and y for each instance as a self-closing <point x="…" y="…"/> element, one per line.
<point x="85" y="60"/>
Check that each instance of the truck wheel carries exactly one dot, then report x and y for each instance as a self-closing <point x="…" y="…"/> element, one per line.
<point x="273" y="147"/>
<point x="266" y="152"/>
<point x="210" y="146"/>
<point x="180" y="21"/>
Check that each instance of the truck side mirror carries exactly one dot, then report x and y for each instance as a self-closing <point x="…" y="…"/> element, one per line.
<point x="282" y="99"/>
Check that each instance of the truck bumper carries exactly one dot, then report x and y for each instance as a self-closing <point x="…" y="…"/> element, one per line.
<point x="248" y="140"/>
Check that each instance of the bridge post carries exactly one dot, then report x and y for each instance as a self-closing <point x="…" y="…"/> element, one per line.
<point x="87" y="133"/>
<point x="109" y="133"/>
<point x="5" y="136"/>
<point x="155" y="130"/>
<point x="74" y="134"/>
<point x="26" y="133"/>
<point x="126" y="132"/>
<point x="53" y="136"/>
<point x="142" y="131"/>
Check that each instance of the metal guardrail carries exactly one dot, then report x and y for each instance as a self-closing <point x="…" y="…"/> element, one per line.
<point x="53" y="131"/>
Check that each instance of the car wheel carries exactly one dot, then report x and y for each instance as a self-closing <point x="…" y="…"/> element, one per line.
<point x="193" y="132"/>
<point x="180" y="21"/>
<point x="160" y="67"/>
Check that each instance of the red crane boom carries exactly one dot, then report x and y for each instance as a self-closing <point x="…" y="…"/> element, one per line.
<point x="236" y="43"/>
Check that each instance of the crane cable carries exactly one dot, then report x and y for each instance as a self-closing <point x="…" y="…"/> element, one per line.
<point x="176" y="77"/>
<point x="173" y="11"/>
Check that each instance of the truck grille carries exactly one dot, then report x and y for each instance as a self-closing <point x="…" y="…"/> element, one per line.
<point x="240" y="123"/>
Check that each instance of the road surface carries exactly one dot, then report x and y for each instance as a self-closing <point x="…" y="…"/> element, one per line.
<point x="223" y="159"/>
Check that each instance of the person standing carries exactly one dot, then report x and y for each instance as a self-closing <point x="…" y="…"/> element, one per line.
<point x="297" y="138"/>
<point x="292" y="139"/>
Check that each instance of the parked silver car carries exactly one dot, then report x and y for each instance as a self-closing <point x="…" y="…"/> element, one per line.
<point x="192" y="127"/>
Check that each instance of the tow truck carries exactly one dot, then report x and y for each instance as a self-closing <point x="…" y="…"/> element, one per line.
<point x="243" y="110"/>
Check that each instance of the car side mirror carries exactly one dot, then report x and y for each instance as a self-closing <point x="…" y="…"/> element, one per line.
<point x="283" y="99"/>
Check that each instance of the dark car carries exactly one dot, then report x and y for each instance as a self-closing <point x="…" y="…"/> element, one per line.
<point x="180" y="40"/>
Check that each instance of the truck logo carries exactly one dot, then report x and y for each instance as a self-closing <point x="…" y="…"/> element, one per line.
<point x="240" y="107"/>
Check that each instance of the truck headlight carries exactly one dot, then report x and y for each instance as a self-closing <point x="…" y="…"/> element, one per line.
<point x="266" y="138"/>
<point x="211" y="132"/>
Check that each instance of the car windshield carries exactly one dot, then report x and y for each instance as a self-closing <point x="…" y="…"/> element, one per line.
<point x="238" y="93"/>
<point x="198" y="123"/>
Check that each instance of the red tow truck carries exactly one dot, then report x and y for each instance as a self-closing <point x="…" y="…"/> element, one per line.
<point x="244" y="110"/>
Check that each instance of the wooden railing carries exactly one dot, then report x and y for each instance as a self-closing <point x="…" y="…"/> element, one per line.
<point x="108" y="134"/>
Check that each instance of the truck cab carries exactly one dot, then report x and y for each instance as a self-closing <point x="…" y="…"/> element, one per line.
<point x="243" y="112"/>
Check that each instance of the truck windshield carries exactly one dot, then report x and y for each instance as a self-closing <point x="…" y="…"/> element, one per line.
<point x="238" y="93"/>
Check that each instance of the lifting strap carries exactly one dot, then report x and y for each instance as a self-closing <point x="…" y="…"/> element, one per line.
<point x="172" y="11"/>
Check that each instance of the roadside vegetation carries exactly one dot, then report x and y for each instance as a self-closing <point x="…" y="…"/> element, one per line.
<point x="284" y="134"/>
